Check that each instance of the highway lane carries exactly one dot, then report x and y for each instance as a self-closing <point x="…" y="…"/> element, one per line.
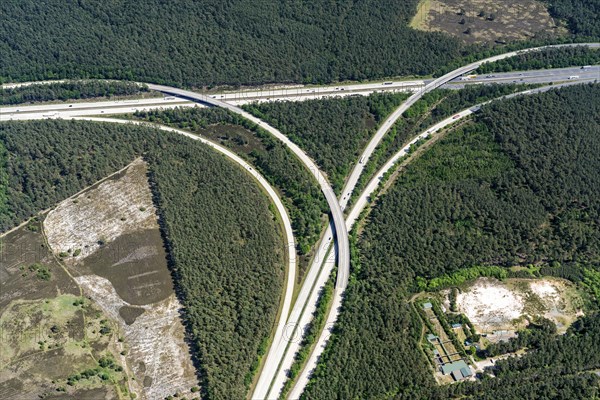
<point x="342" y="273"/>
<point x="358" y="169"/>
<point x="68" y="110"/>
<point x="65" y="110"/>
<point x="543" y="76"/>
<point x="434" y="84"/>
<point x="341" y="234"/>
<point x="307" y="297"/>
<point x="288" y="343"/>
<point x="279" y="336"/>
<point x="363" y="201"/>
<point x="289" y="236"/>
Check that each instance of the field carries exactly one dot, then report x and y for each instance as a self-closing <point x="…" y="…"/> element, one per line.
<point x="486" y="21"/>
<point x="109" y="239"/>
<point x="20" y="249"/>
<point x="45" y="321"/>
<point x="492" y="305"/>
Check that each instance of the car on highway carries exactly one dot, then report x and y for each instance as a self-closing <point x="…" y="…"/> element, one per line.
<point x="457" y="116"/>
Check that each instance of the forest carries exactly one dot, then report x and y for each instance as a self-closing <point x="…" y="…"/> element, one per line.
<point x="332" y="131"/>
<point x="225" y="248"/>
<point x="238" y="42"/>
<point x="215" y="42"/>
<point x="71" y="90"/>
<point x="582" y="16"/>
<point x="427" y="111"/>
<point x="517" y="186"/>
<point x="301" y="194"/>
<point x="560" y="57"/>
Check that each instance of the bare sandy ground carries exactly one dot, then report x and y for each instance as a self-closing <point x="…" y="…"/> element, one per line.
<point x="157" y="353"/>
<point x="153" y="334"/>
<point x="101" y="214"/>
<point x="492" y="305"/>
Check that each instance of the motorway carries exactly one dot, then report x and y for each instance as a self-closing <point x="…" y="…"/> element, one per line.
<point x="363" y="201"/>
<point x="343" y="275"/>
<point x="66" y="110"/>
<point x="281" y="353"/>
<point x="279" y="345"/>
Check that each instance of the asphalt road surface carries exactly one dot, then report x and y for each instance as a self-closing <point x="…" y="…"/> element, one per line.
<point x="281" y="353"/>
<point x="65" y="110"/>
<point x="359" y="206"/>
<point x="351" y="183"/>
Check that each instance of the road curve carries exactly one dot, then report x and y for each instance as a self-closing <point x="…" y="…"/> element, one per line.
<point x="280" y="358"/>
<point x="334" y="206"/>
<point x="362" y="202"/>
<point x="357" y="171"/>
<point x="340" y="227"/>
<point x="278" y="347"/>
<point x="389" y="122"/>
<point x="289" y="236"/>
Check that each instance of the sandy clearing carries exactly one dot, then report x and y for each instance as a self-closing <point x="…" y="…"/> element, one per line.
<point x="157" y="352"/>
<point x="492" y="305"/>
<point x="101" y="214"/>
<point x="545" y="290"/>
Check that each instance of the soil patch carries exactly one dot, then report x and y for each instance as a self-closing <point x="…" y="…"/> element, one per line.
<point x="43" y="342"/>
<point x="480" y="21"/>
<point x="19" y="251"/>
<point x="80" y="226"/>
<point x="136" y="265"/>
<point x="495" y="306"/>
<point x="109" y="238"/>
<point x="130" y="314"/>
<point x="156" y="347"/>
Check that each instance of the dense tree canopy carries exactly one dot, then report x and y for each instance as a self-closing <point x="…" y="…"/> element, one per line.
<point x="550" y="58"/>
<point x="207" y="42"/>
<point x="225" y="248"/>
<point x="302" y="195"/>
<point x="430" y="109"/>
<point x="71" y="90"/>
<point x="582" y="16"/>
<point x="332" y="131"/>
<point x="517" y="186"/>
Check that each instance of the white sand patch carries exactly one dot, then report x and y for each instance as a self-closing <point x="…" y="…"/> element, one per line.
<point x="490" y="306"/>
<point x="115" y="207"/>
<point x="156" y="339"/>
<point x="546" y="290"/>
<point x="503" y="307"/>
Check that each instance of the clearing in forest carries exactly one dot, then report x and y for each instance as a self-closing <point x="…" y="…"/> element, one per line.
<point x="108" y="237"/>
<point x="45" y="321"/>
<point x="480" y="21"/>
<point x="501" y="307"/>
